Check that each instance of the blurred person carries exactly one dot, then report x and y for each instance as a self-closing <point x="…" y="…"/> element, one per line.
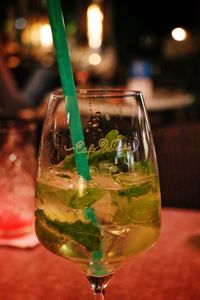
<point x="29" y="102"/>
<point x="11" y="99"/>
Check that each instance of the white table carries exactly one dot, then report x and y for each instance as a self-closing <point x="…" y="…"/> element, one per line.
<point x="168" y="100"/>
<point x="162" y="100"/>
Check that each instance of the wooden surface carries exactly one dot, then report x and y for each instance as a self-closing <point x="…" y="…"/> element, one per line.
<point x="168" y="271"/>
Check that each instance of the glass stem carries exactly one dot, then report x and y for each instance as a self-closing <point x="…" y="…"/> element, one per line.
<point x="99" y="285"/>
<point x="99" y="296"/>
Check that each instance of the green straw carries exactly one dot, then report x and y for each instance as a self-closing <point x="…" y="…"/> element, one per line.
<point x="68" y="86"/>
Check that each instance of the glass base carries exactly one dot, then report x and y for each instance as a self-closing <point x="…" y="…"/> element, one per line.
<point x="98" y="285"/>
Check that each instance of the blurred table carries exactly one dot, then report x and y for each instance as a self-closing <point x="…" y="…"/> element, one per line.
<point x="164" y="99"/>
<point x="169" y="270"/>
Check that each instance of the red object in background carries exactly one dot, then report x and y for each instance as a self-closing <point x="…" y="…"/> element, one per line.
<point x="17" y="180"/>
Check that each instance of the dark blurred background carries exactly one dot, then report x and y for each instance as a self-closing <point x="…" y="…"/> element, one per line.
<point x="131" y="30"/>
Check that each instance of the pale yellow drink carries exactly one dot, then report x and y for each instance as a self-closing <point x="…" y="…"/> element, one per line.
<point x="100" y="223"/>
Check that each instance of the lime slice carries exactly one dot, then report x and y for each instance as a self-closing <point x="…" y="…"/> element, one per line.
<point x="50" y="193"/>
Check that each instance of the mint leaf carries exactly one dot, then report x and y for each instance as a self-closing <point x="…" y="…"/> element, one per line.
<point x="113" y="138"/>
<point x="68" y="163"/>
<point x="90" y="196"/>
<point x="85" y="234"/>
<point x="113" y="135"/>
<point x="144" y="166"/>
<point x="136" y="190"/>
<point x="95" y="158"/>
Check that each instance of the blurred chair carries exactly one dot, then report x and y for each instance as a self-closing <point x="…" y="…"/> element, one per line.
<point x="178" y="154"/>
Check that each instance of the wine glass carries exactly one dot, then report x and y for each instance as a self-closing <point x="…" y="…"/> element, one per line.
<point x="98" y="223"/>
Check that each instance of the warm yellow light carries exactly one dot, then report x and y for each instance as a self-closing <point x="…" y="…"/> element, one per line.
<point x="94" y="59"/>
<point x="179" y="34"/>
<point x="46" y="36"/>
<point x="94" y="26"/>
<point x="35" y="34"/>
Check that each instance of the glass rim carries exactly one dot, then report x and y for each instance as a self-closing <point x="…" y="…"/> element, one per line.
<point x="98" y="93"/>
